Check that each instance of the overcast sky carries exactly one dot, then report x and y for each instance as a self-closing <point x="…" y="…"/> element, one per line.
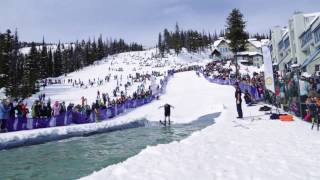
<point x="138" y="20"/>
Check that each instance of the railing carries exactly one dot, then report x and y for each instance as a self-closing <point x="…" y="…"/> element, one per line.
<point x="83" y="117"/>
<point x="254" y="92"/>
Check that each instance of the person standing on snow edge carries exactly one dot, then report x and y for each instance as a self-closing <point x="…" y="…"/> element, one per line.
<point x="238" y="101"/>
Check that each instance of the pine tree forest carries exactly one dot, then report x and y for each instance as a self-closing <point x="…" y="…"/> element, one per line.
<point x="21" y="73"/>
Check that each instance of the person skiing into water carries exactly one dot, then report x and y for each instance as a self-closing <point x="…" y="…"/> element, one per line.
<point x="167" y="110"/>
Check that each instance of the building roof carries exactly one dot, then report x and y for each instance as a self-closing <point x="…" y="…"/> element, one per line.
<point x="308" y="27"/>
<point x="221" y="39"/>
<point x="216" y="52"/>
<point x="311" y="14"/>
<point x="265" y="42"/>
<point x="248" y="53"/>
<point x="255" y="42"/>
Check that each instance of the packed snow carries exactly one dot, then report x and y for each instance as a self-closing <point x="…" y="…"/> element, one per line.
<point x="250" y="148"/>
<point x="120" y="65"/>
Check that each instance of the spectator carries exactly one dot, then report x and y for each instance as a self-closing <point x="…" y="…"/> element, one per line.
<point x="4" y="115"/>
<point x="247" y="98"/>
<point x="56" y="109"/>
<point x="35" y="109"/>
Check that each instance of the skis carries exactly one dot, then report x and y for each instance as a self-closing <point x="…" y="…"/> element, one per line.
<point x="164" y="123"/>
<point x="255" y="117"/>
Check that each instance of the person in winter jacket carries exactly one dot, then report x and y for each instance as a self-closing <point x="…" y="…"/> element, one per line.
<point x="238" y="101"/>
<point x="4" y="114"/>
<point x="104" y="98"/>
<point x="20" y="110"/>
<point x="36" y="109"/>
<point x="49" y="109"/>
<point x="247" y="98"/>
<point x="62" y="107"/>
<point x="12" y="112"/>
<point x="56" y="109"/>
<point x="25" y="110"/>
<point x="82" y="101"/>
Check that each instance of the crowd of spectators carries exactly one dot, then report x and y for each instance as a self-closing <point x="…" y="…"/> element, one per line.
<point x="43" y="108"/>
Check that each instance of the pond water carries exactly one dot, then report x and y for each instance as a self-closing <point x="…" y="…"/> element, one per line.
<point x="80" y="156"/>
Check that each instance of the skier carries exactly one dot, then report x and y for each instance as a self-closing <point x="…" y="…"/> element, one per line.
<point x="167" y="109"/>
<point x="238" y="101"/>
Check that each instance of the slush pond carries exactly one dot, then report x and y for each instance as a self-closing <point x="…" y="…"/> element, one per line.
<point x="80" y="156"/>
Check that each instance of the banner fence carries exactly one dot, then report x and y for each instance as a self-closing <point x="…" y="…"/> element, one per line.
<point x="85" y="116"/>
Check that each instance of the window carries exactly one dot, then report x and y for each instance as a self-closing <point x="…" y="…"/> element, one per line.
<point x="317" y="67"/>
<point x="306" y="38"/>
<point x="317" y="34"/>
<point x="286" y="43"/>
<point x="280" y="45"/>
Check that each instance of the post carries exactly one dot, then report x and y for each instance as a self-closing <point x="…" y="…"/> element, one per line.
<point x="236" y="60"/>
<point x="299" y="96"/>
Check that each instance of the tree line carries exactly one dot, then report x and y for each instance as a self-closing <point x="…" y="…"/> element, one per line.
<point x="192" y="40"/>
<point x="20" y="72"/>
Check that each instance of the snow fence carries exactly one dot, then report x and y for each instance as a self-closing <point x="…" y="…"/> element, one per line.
<point x="83" y="117"/>
<point x="243" y="86"/>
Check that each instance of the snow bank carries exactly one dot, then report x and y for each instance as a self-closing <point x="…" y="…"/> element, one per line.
<point x="31" y="137"/>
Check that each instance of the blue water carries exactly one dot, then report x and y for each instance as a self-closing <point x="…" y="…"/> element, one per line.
<point x="80" y="156"/>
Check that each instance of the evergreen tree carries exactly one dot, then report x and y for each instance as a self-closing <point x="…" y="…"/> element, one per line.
<point x="13" y="80"/>
<point x="5" y="48"/>
<point x="50" y="64"/>
<point x="101" y="52"/>
<point x="167" y="40"/>
<point x="43" y="62"/>
<point x="20" y="74"/>
<point x="57" y="63"/>
<point x="160" y="45"/>
<point x="31" y="68"/>
<point x="2" y="61"/>
<point x="176" y="40"/>
<point x="236" y="33"/>
<point x="94" y="52"/>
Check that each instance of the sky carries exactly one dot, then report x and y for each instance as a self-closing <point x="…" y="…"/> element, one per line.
<point x="138" y="20"/>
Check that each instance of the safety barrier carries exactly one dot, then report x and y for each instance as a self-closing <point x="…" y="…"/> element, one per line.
<point x="84" y="116"/>
<point x="243" y="86"/>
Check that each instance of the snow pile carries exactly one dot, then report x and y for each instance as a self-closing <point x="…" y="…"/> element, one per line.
<point x="251" y="148"/>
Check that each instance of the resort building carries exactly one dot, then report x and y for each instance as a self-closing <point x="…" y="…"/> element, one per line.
<point x="297" y="45"/>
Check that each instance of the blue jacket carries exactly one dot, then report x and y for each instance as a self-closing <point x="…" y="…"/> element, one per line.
<point x="4" y="111"/>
